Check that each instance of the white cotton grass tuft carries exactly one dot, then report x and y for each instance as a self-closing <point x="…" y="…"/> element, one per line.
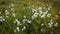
<point x="56" y="24"/>
<point x="48" y="8"/>
<point x="24" y="28"/>
<point x="24" y="16"/>
<point x="45" y="12"/>
<point x="40" y="13"/>
<point x="35" y="15"/>
<point x="40" y="8"/>
<point x="12" y="4"/>
<point x="48" y="15"/>
<point x="15" y="30"/>
<point x="17" y="21"/>
<point x="57" y="16"/>
<point x="6" y="12"/>
<point x="7" y="16"/>
<point x="24" y="20"/>
<point x="59" y="12"/>
<point x="33" y="10"/>
<point x="0" y="12"/>
<point x="50" y="25"/>
<point x="2" y="19"/>
<point x="18" y="29"/>
<point x="13" y="15"/>
<point x="28" y="21"/>
<point x="51" y="32"/>
<point x="14" y="21"/>
<point x="42" y="24"/>
<point x="12" y="9"/>
<point x="43" y="16"/>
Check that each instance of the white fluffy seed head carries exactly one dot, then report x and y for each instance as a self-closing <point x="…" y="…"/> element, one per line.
<point x="50" y="25"/>
<point x="18" y="23"/>
<point x="33" y="10"/>
<point x="45" y="12"/>
<point x="29" y="21"/>
<point x="36" y="13"/>
<point x="17" y="28"/>
<point x="12" y="9"/>
<point x="33" y="17"/>
<point x="24" y="28"/>
<point x="13" y="15"/>
<point x="48" y="15"/>
<point x="12" y="4"/>
<point x="7" y="16"/>
<point x="56" y="24"/>
<point x="42" y="24"/>
<point x="24" y="20"/>
<point x="3" y="19"/>
<point x="6" y="12"/>
<point x="42" y="16"/>
<point x="40" y="8"/>
<point x="49" y="8"/>
<point x="0" y="12"/>
<point x="14" y="22"/>
<point x="24" y="16"/>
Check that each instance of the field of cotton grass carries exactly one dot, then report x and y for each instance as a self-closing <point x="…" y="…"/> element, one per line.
<point x="29" y="17"/>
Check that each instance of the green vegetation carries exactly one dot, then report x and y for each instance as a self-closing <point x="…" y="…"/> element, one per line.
<point x="29" y="16"/>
